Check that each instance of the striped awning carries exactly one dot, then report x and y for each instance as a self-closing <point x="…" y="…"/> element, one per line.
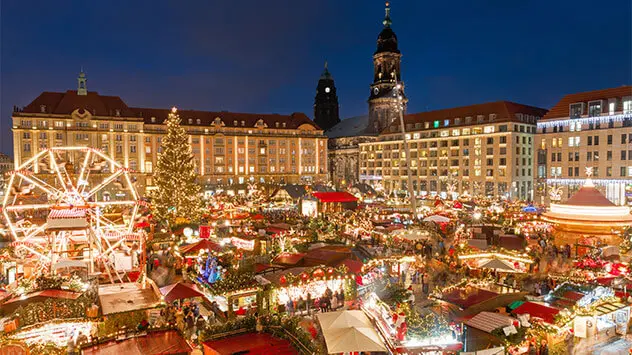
<point x="67" y="213"/>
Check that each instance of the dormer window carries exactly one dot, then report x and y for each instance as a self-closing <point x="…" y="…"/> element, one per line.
<point x="276" y="124"/>
<point x="492" y="117"/>
<point x="117" y="112"/>
<point x="283" y="124"/>
<point x="479" y="118"/>
<point x="43" y="108"/>
<point x="457" y="121"/>
<point x="468" y="120"/>
<point x="243" y="123"/>
<point x="153" y="120"/>
<point x="576" y="110"/>
<point x="235" y="122"/>
<point x="190" y="121"/>
<point x="594" y="108"/>
<point x="198" y="121"/>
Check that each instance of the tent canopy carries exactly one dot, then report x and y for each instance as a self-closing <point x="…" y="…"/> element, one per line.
<point x="437" y="218"/>
<point x="349" y="331"/>
<point x="498" y="265"/>
<point x="179" y="291"/>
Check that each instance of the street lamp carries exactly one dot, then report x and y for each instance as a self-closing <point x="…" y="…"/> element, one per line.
<point x="400" y="108"/>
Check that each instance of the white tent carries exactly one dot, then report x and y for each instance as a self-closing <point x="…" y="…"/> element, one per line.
<point x="437" y="218"/>
<point x="497" y="264"/>
<point x="349" y="331"/>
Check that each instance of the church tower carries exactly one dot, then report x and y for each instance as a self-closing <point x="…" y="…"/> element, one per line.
<point x="384" y="103"/>
<point x="326" y="102"/>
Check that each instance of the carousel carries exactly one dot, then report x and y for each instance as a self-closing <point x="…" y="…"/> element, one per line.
<point x="73" y="207"/>
<point x="588" y="215"/>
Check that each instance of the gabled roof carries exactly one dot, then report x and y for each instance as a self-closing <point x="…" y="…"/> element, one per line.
<point x="292" y="121"/>
<point x="505" y="111"/>
<point x="562" y="108"/>
<point x="541" y="311"/>
<point x="64" y="103"/>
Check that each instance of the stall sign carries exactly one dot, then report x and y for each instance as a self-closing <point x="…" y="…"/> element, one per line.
<point x="243" y="244"/>
<point x="205" y="232"/>
<point x="580" y="328"/>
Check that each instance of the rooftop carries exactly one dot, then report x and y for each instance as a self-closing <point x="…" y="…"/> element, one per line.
<point x="562" y="108"/>
<point x="504" y="111"/>
<point x="65" y="103"/>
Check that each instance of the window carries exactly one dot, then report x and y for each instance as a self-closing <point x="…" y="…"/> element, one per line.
<point x="27" y="147"/>
<point x="132" y="149"/>
<point x="609" y="139"/>
<point x="594" y="108"/>
<point x="609" y="155"/>
<point x="623" y="155"/>
<point x="436" y="124"/>
<point x="627" y="106"/>
<point x="576" y="110"/>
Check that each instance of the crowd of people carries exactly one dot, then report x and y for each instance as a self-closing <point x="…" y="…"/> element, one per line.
<point x="327" y="302"/>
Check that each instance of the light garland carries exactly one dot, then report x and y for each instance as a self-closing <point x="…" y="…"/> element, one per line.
<point x="586" y="120"/>
<point x="602" y="182"/>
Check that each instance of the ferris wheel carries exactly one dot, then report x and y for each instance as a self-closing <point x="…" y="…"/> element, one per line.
<point x="73" y="206"/>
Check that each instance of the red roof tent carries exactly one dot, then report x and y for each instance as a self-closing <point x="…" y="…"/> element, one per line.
<point x="353" y="266"/>
<point x="252" y="343"/>
<point x="292" y="259"/>
<point x="257" y="217"/>
<point x="334" y="197"/>
<point x="179" y="291"/>
<point x="468" y="296"/>
<point x="538" y="310"/>
<point x="201" y="245"/>
<point x="165" y="343"/>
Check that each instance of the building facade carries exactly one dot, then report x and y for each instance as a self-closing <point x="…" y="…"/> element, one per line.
<point x="326" y="108"/>
<point x="586" y="130"/>
<point x="478" y="150"/>
<point x="387" y="86"/>
<point x="229" y="148"/>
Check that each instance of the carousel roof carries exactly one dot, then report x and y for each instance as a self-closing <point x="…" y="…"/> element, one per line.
<point x="588" y="205"/>
<point x="589" y="196"/>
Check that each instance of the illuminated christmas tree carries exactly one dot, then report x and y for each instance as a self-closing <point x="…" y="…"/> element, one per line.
<point x="177" y="198"/>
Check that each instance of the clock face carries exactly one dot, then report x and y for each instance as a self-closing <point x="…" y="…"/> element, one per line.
<point x="376" y="91"/>
<point x="327" y="89"/>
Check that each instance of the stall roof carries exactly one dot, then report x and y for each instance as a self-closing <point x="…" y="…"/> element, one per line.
<point x="488" y="321"/>
<point x="468" y="296"/>
<point x="288" y="258"/>
<point x="254" y="343"/>
<point x="334" y="196"/>
<point x="327" y="255"/>
<point x="353" y="266"/>
<point x="179" y="291"/>
<point x="69" y="295"/>
<point x="541" y="311"/>
<point x="164" y="343"/>
<point x="126" y="297"/>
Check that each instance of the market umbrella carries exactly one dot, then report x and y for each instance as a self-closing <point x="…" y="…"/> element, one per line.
<point x="203" y="244"/>
<point x="179" y="291"/>
<point x="349" y="331"/>
<point x="437" y="218"/>
<point x="499" y="265"/>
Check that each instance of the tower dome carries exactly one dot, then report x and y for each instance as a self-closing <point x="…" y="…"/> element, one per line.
<point x="387" y="39"/>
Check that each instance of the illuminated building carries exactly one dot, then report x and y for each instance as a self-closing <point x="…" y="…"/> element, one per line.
<point x="589" y="129"/>
<point x="229" y="148"/>
<point x="477" y="150"/>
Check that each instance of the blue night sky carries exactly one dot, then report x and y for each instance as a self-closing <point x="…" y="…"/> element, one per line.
<point x="266" y="56"/>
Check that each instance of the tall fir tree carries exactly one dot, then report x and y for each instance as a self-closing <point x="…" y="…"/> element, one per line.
<point x="177" y="198"/>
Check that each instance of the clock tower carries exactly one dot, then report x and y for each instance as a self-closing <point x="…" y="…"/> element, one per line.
<point x="384" y="102"/>
<point x="326" y="102"/>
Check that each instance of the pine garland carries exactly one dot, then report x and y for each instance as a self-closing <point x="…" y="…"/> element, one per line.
<point x="177" y="197"/>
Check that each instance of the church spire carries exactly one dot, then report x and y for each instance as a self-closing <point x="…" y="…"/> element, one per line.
<point x="82" y="87"/>
<point x="387" y="16"/>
